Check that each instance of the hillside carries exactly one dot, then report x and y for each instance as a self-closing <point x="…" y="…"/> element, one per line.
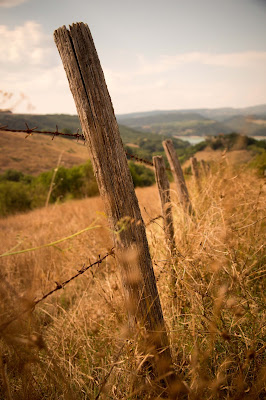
<point x="38" y="153"/>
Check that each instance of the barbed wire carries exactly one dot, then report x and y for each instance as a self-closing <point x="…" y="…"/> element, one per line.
<point x="30" y="131"/>
<point x="77" y="135"/>
<point x="59" y="286"/>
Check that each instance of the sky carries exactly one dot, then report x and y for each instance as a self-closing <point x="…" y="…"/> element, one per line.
<point x="155" y="54"/>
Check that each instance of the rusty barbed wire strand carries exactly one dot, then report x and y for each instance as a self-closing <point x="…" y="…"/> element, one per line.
<point x="77" y="135"/>
<point x="30" y="131"/>
<point x="59" y="286"/>
<point x="80" y="272"/>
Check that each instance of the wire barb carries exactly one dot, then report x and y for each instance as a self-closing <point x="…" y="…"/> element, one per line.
<point x="29" y="131"/>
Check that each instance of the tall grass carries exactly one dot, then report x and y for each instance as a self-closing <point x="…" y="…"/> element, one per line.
<point x="77" y="344"/>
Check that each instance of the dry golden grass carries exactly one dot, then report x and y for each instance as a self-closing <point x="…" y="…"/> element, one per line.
<point x="76" y="344"/>
<point x="233" y="157"/>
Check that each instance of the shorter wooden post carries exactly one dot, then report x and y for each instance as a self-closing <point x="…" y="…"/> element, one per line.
<point x="195" y="172"/>
<point x="178" y="175"/>
<point x="204" y="167"/>
<point x="164" y="194"/>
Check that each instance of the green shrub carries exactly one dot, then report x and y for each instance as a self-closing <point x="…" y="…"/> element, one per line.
<point x="21" y="192"/>
<point x="12" y="175"/>
<point x="14" y="197"/>
<point x="259" y="162"/>
<point x="142" y="176"/>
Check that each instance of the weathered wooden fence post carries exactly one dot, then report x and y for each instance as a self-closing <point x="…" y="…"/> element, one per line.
<point x="164" y="194"/>
<point x="95" y="110"/>
<point x="195" y="172"/>
<point x="204" y="167"/>
<point x="178" y="175"/>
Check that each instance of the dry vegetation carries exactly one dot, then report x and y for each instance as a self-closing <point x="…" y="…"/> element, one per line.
<point x="15" y="152"/>
<point x="233" y="157"/>
<point x="76" y="344"/>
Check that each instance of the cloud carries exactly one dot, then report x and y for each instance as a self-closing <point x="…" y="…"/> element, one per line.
<point x="30" y="64"/>
<point x="26" y="45"/>
<point x="11" y="3"/>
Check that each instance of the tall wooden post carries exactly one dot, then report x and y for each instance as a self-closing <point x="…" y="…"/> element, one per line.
<point x="178" y="175"/>
<point x="95" y="110"/>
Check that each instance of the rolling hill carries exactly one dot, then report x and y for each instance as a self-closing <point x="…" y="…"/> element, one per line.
<point x="200" y="122"/>
<point x="177" y="124"/>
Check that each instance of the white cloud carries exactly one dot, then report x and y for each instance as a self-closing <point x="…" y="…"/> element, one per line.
<point x="25" y="45"/>
<point x="30" y="64"/>
<point x="11" y="3"/>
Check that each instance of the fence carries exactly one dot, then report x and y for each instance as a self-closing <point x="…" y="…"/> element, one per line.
<point x="109" y="160"/>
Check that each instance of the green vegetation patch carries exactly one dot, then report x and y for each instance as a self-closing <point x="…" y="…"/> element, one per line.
<point x="20" y="192"/>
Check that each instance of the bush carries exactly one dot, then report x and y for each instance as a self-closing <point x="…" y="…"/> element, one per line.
<point x="21" y="192"/>
<point x="259" y="163"/>
<point x="12" y="175"/>
<point x="142" y="176"/>
<point x="14" y="197"/>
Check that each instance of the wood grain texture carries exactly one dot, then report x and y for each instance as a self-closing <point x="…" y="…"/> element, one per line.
<point x="99" y="125"/>
<point x="178" y="175"/>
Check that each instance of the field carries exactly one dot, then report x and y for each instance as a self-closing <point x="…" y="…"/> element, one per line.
<point x="76" y="343"/>
<point x="44" y="153"/>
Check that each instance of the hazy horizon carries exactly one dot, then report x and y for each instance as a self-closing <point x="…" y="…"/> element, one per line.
<point x="155" y="56"/>
<point x="145" y="111"/>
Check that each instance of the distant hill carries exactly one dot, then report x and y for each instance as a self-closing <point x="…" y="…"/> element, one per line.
<point x="199" y="122"/>
<point x="176" y="124"/>
<point x="250" y="125"/>
<point x="219" y="114"/>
